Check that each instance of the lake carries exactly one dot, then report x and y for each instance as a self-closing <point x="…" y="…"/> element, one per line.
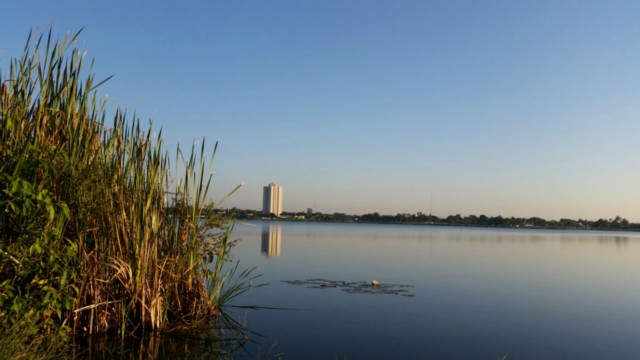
<point x="454" y="293"/>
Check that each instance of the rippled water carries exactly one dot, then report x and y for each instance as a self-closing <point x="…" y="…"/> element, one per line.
<point x="475" y="293"/>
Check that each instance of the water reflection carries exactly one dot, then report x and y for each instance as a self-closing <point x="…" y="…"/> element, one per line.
<point x="225" y="338"/>
<point x="271" y="240"/>
<point x="618" y="240"/>
<point x="523" y="293"/>
<point x="151" y="347"/>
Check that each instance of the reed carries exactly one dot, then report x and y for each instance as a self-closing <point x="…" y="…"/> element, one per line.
<point x="99" y="230"/>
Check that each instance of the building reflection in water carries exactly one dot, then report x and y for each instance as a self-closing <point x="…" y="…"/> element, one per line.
<point x="271" y="240"/>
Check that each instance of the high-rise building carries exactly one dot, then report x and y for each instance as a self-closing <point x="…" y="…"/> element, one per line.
<point x="272" y="199"/>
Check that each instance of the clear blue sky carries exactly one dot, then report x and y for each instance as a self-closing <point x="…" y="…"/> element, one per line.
<point x="523" y="108"/>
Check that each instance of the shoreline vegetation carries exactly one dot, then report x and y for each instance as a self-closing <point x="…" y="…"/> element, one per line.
<point x="483" y="221"/>
<point x="88" y="244"/>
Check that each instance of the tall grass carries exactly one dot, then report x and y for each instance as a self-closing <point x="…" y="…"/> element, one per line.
<point x="99" y="230"/>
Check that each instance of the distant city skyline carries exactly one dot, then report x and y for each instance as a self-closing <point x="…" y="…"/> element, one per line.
<point x="512" y="108"/>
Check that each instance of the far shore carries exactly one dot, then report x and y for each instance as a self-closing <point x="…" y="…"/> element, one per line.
<point x="471" y="221"/>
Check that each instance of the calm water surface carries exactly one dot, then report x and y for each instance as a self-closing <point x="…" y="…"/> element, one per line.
<point x="479" y="293"/>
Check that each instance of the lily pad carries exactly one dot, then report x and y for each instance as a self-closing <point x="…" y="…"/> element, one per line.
<point x="355" y="287"/>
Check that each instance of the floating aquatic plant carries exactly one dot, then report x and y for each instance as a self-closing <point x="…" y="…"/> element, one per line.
<point x="355" y="287"/>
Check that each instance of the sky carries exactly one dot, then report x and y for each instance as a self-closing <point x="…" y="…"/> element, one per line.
<point x="512" y="108"/>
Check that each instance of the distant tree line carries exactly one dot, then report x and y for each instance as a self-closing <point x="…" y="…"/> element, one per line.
<point x="617" y="223"/>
